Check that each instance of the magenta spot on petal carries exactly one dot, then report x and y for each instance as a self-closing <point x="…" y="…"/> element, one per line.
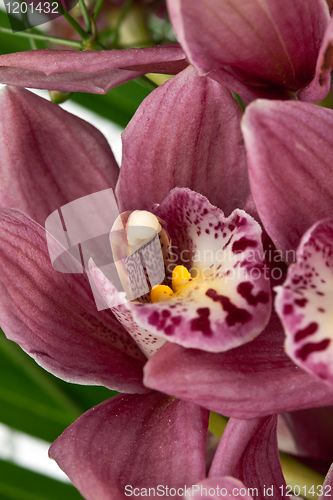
<point x="307" y="349"/>
<point x="244" y="289"/>
<point x="166" y="313"/>
<point x="216" y="236"/>
<point x="309" y="330"/>
<point x="169" y="330"/>
<point x="207" y="231"/>
<point x="202" y="322"/>
<point x="301" y="302"/>
<point x="154" y="318"/>
<point x="287" y="309"/>
<point x="242" y="244"/>
<point x="235" y="315"/>
<point x="176" y="320"/>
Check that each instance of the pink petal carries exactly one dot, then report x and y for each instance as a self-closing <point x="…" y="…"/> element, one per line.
<point x="304" y="303"/>
<point x="215" y="488"/>
<point x="231" y="304"/>
<point x="253" y="380"/>
<point x="289" y="151"/>
<point x="321" y="84"/>
<point x="48" y="156"/>
<point x="249" y="452"/>
<point x="185" y="134"/>
<point x="259" y="42"/>
<point x="53" y="317"/>
<point x="91" y="71"/>
<point x="132" y="442"/>
<point x="313" y="432"/>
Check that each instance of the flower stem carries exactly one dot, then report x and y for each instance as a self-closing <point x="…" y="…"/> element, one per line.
<point x="97" y="9"/>
<point x="39" y="36"/>
<point x="75" y="25"/>
<point x="85" y="15"/>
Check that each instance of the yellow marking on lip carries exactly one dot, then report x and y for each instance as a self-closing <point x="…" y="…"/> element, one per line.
<point x="161" y="293"/>
<point x="180" y="276"/>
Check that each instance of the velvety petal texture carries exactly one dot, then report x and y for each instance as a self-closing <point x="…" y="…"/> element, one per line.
<point x="53" y="316"/>
<point x="253" y="380"/>
<point x="249" y="451"/>
<point x="191" y="139"/>
<point x="313" y="432"/>
<point x="289" y="153"/>
<point x="49" y="157"/>
<point x="227" y="301"/>
<point x="215" y="488"/>
<point x="132" y="442"/>
<point x="321" y="84"/>
<point x="304" y="302"/>
<point x="259" y="42"/>
<point x="91" y="71"/>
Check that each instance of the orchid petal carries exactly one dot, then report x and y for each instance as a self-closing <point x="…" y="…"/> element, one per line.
<point x="48" y="156"/>
<point x="133" y="441"/>
<point x="148" y="343"/>
<point x="249" y="452"/>
<point x="304" y="302"/>
<point x="328" y="485"/>
<point x="312" y="431"/>
<point x="185" y="134"/>
<point x="254" y="380"/>
<point x="214" y="488"/>
<point x="289" y="151"/>
<point x="321" y="84"/>
<point x="92" y="71"/>
<point x="259" y="42"/>
<point x="53" y="317"/>
<point x="228" y="303"/>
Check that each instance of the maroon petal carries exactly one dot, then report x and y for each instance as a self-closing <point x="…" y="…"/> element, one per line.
<point x="289" y="153"/>
<point x="215" y="488"/>
<point x="313" y="432"/>
<point x="328" y="485"/>
<point x="259" y="42"/>
<point x="52" y="316"/>
<point x="91" y="71"/>
<point x="48" y="156"/>
<point x="249" y="452"/>
<point x="253" y="380"/>
<point x="185" y="134"/>
<point x="132" y="442"/>
<point x="304" y="302"/>
<point x="321" y="84"/>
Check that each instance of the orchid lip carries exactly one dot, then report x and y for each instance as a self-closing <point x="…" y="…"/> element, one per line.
<point x="221" y="298"/>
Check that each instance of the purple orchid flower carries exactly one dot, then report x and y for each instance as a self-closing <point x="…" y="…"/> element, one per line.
<point x="57" y="343"/>
<point x="297" y="199"/>
<point x="256" y="49"/>
<point x="105" y="464"/>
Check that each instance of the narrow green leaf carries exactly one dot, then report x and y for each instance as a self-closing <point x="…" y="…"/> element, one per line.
<point x="118" y="105"/>
<point x="20" y="484"/>
<point x="36" y="402"/>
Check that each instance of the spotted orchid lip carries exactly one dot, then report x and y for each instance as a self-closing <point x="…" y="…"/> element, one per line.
<point x="227" y="305"/>
<point x="304" y="302"/>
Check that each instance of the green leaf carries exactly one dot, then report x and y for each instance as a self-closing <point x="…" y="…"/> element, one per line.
<point x="118" y="105"/>
<point x="36" y="402"/>
<point x="19" y="484"/>
<point x="11" y="43"/>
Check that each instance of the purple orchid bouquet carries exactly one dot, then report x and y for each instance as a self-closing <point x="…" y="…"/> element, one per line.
<point x="242" y="323"/>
